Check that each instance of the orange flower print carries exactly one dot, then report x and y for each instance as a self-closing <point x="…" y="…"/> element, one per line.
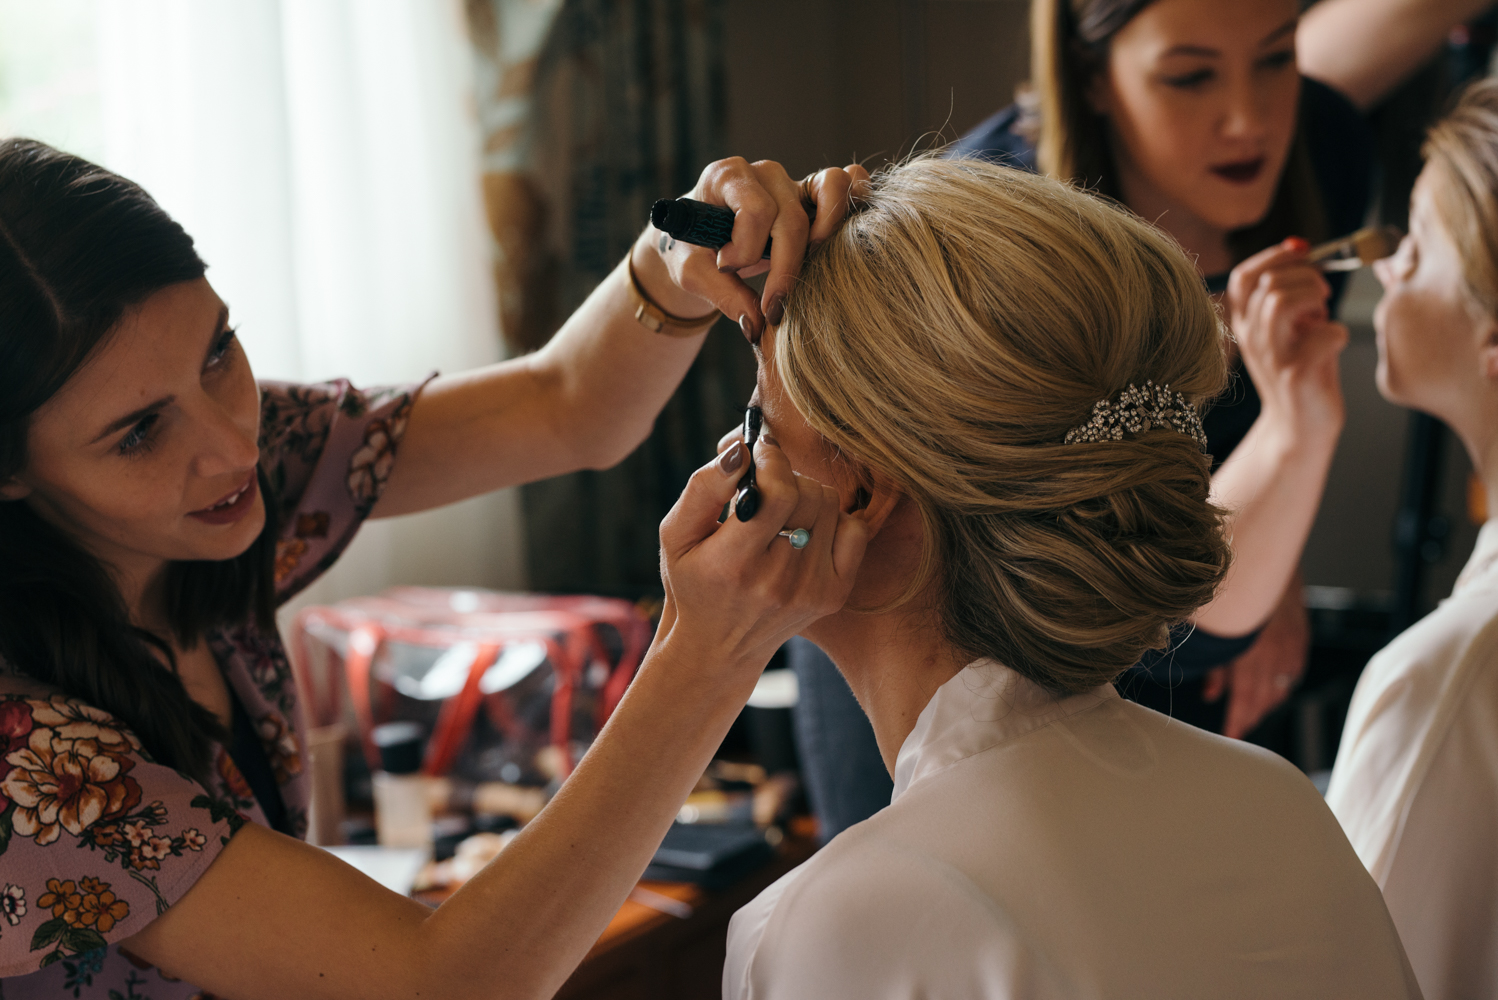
<point x="370" y="466"/>
<point x="66" y="784"/>
<point x="280" y="747"/>
<point x="289" y="552"/>
<point x="192" y="839"/>
<point x="89" y="903"/>
<point x="60" y="896"/>
<point x="314" y="525"/>
<point x="233" y="780"/>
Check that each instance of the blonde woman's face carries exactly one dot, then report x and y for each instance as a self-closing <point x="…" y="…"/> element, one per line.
<point x="1430" y="330"/>
<point x="1201" y="100"/>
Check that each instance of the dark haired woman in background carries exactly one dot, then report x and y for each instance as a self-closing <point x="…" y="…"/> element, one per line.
<point x="1237" y="128"/>
<point x="156" y="504"/>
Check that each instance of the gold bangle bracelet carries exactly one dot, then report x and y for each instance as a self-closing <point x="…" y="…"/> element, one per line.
<point x="655" y="319"/>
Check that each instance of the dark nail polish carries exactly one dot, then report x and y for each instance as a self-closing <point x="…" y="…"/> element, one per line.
<point x="730" y="461"/>
<point x="750" y="333"/>
<point x="776" y="312"/>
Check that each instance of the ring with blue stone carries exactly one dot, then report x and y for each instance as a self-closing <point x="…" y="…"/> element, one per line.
<point x="799" y="538"/>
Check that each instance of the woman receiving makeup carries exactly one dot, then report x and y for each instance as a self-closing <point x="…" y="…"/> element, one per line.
<point x="1236" y="128"/>
<point x="1416" y="780"/>
<point x="157" y="503"/>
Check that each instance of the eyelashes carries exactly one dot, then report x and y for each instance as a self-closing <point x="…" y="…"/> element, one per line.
<point x="138" y="440"/>
<point x="141" y="438"/>
<point x="1200" y="78"/>
<point x="222" y="346"/>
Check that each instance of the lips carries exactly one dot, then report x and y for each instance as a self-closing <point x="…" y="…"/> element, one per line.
<point x="231" y="507"/>
<point x="1241" y="171"/>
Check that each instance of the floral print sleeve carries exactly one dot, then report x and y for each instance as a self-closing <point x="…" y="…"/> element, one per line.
<point x="96" y="839"/>
<point x="327" y="451"/>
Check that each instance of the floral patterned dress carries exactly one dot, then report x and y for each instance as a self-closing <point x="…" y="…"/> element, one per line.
<point x="96" y="839"/>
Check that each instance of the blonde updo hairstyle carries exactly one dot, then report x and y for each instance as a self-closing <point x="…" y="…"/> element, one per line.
<point x="947" y="337"/>
<point x="1462" y="155"/>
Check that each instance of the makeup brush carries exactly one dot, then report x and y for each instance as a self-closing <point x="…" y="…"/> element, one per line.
<point x="1358" y="250"/>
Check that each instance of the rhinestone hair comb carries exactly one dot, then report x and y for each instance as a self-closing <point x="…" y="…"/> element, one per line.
<point x="1138" y="410"/>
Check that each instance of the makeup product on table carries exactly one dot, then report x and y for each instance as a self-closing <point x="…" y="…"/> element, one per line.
<point x="403" y="817"/>
<point x="1357" y="250"/>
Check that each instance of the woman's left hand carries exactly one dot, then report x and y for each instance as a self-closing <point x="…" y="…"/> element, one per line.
<point x="1260" y="680"/>
<point x="689" y="281"/>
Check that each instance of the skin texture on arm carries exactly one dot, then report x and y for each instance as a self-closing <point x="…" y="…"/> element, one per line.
<point x="591" y="395"/>
<point x="1366" y="48"/>
<point x="319" y="929"/>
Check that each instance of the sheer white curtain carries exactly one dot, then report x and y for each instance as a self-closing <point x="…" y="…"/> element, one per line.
<point x="323" y="154"/>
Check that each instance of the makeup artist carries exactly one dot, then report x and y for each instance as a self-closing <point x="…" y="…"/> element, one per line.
<point x="157" y="503"/>
<point x="1236" y="127"/>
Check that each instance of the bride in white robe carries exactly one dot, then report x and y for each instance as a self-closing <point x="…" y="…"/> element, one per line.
<point x="1046" y="838"/>
<point x="1416" y="779"/>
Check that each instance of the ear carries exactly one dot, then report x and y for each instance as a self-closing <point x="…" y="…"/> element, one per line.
<point x="876" y="500"/>
<point x="1487" y="351"/>
<point x="13" y="489"/>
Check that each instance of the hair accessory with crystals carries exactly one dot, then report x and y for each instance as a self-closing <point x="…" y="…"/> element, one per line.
<point x="1136" y="411"/>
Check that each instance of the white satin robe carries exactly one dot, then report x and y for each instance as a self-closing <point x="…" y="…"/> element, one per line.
<point x="1079" y="848"/>
<point x="1416" y="782"/>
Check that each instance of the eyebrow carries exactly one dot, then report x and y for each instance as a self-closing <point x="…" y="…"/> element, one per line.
<point x="133" y="417"/>
<point x="1201" y="50"/>
<point x="145" y="411"/>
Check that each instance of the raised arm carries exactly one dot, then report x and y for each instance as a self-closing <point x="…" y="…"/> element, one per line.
<point x="273" y="917"/>
<point x="591" y="395"/>
<point x="1271" y="485"/>
<point x="1366" y="48"/>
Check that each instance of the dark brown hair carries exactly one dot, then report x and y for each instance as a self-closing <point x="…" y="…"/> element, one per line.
<point x="79" y="246"/>
<point x="1069" y="41"/>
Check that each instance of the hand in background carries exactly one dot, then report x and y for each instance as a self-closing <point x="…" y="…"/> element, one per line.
<point x="1277" y="306"/>
<point x="1261" y="679"/>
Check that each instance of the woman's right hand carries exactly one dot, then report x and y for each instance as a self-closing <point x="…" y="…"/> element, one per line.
<point x="1277" y="306"/>
<point x="736" y="591"/>
<point x="690" y="280"/>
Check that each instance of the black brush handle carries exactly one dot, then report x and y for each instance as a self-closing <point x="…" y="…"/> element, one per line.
<point x="696" y="222"/>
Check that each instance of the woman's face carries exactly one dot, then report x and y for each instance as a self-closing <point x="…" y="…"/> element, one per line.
<point x="1201" y="100"/>
<point x="1430" y="330"/>
<point x="149" y="452"/>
